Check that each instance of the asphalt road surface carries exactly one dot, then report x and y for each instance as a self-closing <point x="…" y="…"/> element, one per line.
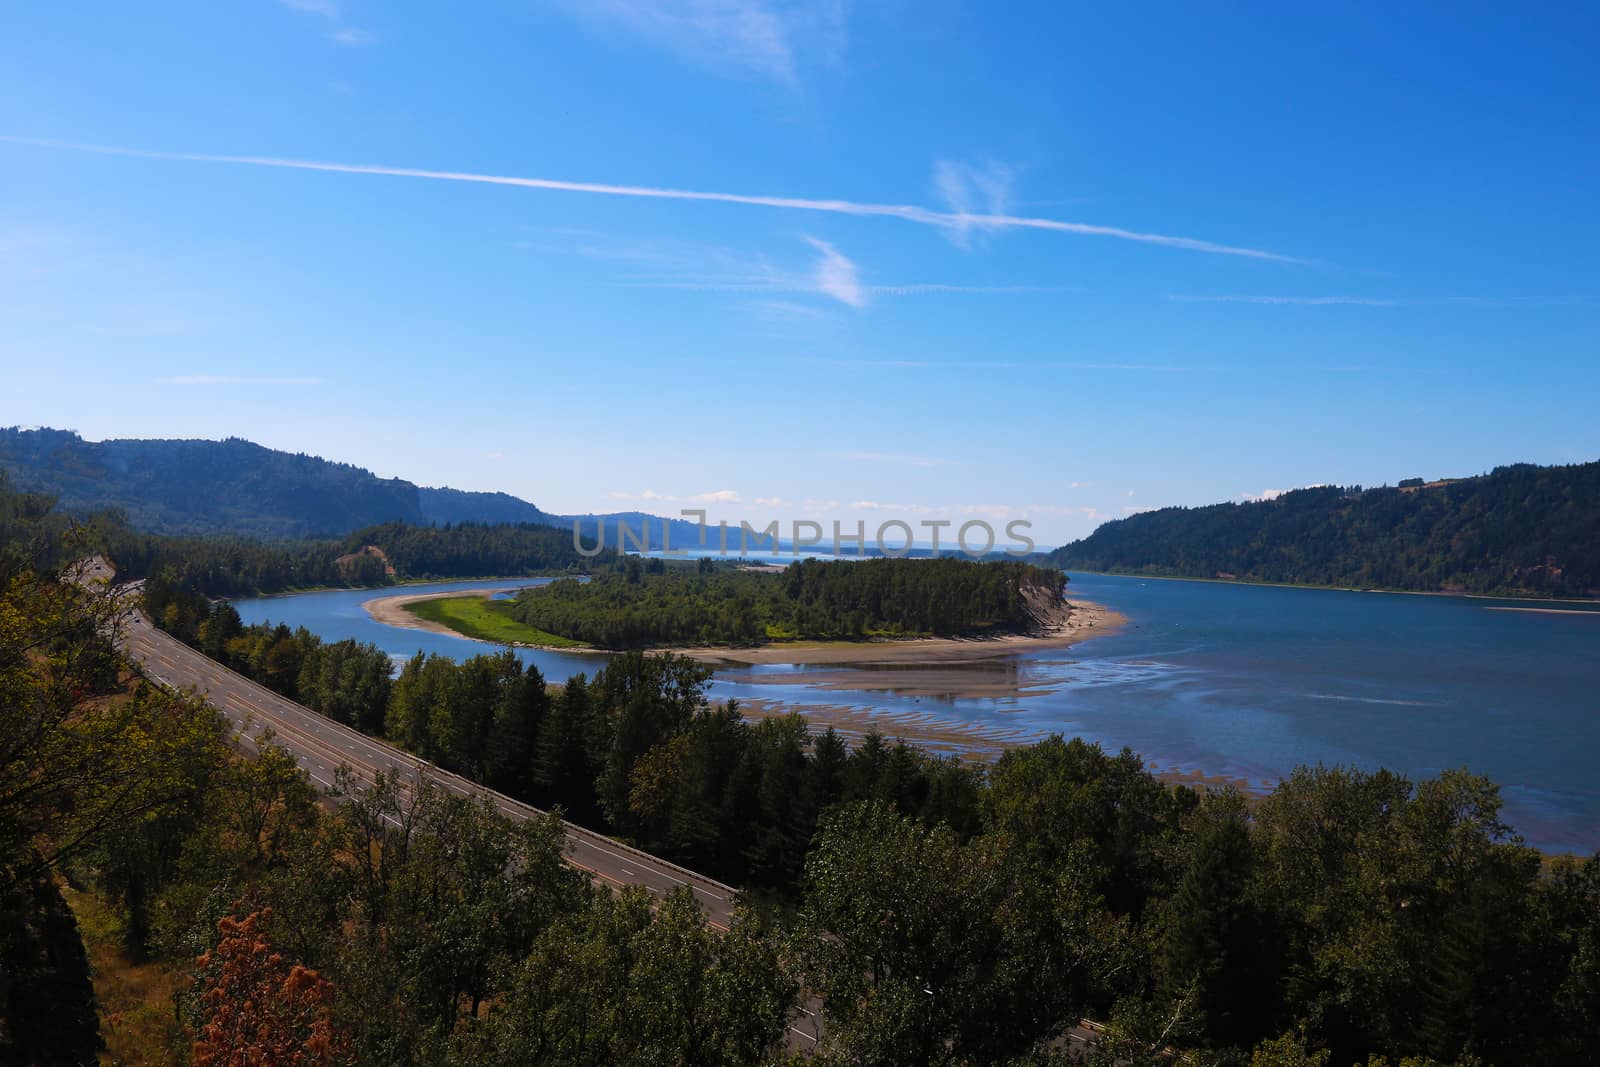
<point x="321" y="745"/>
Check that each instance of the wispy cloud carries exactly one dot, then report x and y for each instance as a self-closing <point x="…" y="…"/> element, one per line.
<point x="711" y="268"/>
<point x="224" y="379"/>
<point x="768" y="38"/>
<point x="833" y="274"/>
<point x="942" y="220"/>
<point x="973" y="194"/>
<point x="337" y="30"/>
<point x="836" y="275"/>
<point x="349" y="36"/>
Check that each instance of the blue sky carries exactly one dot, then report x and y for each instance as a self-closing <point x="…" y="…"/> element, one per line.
<point x="942" y="260"/>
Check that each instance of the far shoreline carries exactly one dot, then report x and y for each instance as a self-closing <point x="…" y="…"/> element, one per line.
<point x="1247" y="582"/>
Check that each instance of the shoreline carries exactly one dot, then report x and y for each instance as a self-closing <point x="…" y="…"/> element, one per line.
<point x="1337" y="588"/>
<point x="1078" y="620"/>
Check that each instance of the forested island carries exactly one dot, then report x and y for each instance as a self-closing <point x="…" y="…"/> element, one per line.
<point x="1521" y="530"/>
<point x="654" y="603"/>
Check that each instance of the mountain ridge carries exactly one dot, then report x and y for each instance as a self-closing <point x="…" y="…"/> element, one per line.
<point x="1521" y="529"/>
<point x="234" y="486"/>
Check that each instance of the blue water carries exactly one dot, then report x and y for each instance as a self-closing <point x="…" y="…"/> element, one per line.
<point x="337" y="614"/>
<point x="1241" y="681"/>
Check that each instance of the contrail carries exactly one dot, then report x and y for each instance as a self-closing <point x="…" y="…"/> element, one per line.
<point x="907" y="212"/>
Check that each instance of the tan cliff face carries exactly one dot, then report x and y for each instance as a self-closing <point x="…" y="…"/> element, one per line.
<point x="347" y="563"/>
<point x="1050" y="613"/>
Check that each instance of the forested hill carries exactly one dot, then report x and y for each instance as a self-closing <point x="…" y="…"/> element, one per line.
<point x="234" y="487"/>
<point x="1521" y="529"/>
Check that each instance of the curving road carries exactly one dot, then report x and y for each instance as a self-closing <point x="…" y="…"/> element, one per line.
<point x="321" y="745"/>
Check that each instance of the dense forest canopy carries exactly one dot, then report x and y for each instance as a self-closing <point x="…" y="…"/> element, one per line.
<point x="1523" y="529"/>
<point x="652" y="603"/>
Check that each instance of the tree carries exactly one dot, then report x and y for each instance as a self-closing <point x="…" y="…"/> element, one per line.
<point x="645" y="700"/>
<point x="257" y="1007"/>
<point x="563" y="769"/>
<point x="515" y="717"/>
<point x="635" y="982"/>
<point x="75" y="767"/>
<point x="1289" y="1050"/>
<point x="930" y="951"/>
<point x="48" y="1012"/>
<point x="1056" y="794"/>
<point x="1213" y="943"/>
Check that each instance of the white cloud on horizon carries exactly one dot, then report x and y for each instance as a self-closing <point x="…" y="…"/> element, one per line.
<point x="719" y="496"/>
<point x="941" y="220"/>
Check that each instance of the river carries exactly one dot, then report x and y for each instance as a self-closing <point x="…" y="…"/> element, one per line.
<point x="1238" y="681"/>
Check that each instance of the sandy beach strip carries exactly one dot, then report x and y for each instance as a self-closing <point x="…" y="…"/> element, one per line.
<point x="1080" y="619"/>
<point x="1076" y="621"/>
<point x="391" y="611"/>
<point x="1550" y="611"/>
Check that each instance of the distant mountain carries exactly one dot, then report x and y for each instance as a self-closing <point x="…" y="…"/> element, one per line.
<point x="234" y="487"/>
<point x="1521" y="529"/>
<point x="441" y="506"/>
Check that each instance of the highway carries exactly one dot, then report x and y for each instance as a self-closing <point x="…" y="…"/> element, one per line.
<point x="321" y="745"/>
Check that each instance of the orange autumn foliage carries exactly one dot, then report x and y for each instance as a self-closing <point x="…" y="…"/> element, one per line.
<point x="260" y="1009"/>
